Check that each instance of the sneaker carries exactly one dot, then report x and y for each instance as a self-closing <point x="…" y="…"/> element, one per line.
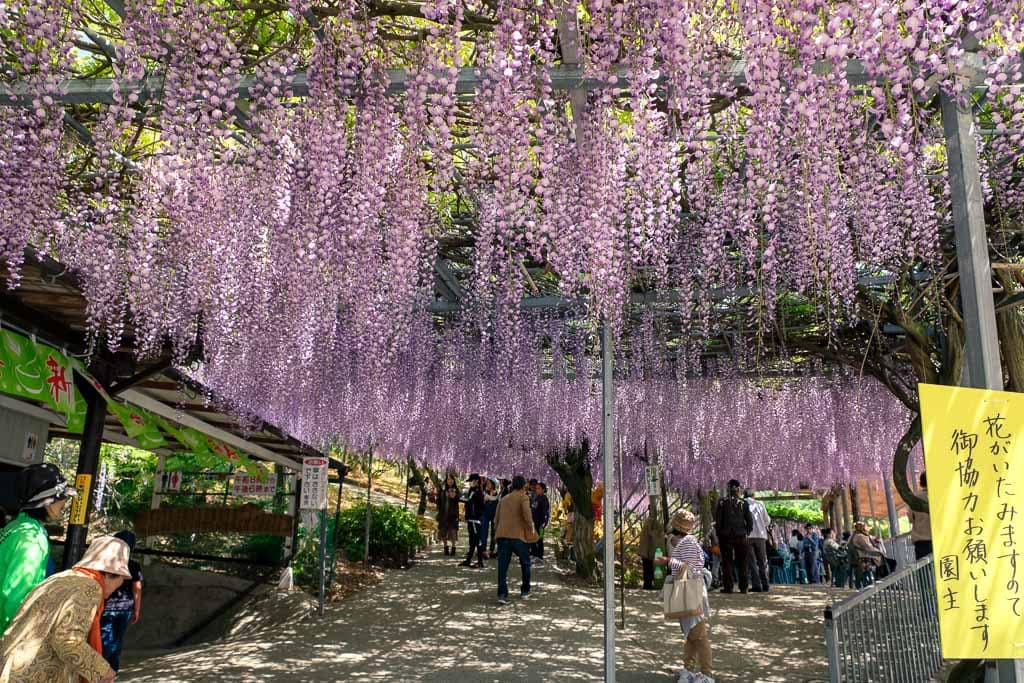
<point x="702" y="678"/>
<point x="465" y="563"/>
<point x="684" y="676"/>
<point x="537" y="561"/>
<point x="524" y="595"/>
<point x="503" y="600"/>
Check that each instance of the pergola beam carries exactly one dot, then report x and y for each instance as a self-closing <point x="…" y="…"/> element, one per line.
<point x="563" y="77"/>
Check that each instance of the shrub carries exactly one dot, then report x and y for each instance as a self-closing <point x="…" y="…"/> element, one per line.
<point x="795" y="513"/>
<point x="394" y="533"/>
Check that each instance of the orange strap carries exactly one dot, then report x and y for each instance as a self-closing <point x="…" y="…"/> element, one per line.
<point x="95" y="640"/>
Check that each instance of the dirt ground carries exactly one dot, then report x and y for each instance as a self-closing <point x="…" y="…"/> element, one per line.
<point x="439" y="622"/>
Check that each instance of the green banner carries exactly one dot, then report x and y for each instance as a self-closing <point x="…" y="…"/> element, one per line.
<point x="209" y="453"/>
<point x="139" y="424"/>
<point x="41" y="373"/>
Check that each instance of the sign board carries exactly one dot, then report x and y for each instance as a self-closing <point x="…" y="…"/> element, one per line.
<point x="314" y="484"/>
<point x="172" y="482"/>
<point x="248" y="485"/>
<point x="975" y="463"/>
<point x="101" y="485"/>
<point x="80" y="503"/>
<point x="653" y="477"/>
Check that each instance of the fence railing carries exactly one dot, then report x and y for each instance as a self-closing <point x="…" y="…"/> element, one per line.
<point x="888" y="631"/>
<point x="901" y="549"/>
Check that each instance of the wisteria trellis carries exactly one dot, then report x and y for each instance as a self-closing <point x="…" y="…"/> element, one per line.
<point x="304" y="241"/>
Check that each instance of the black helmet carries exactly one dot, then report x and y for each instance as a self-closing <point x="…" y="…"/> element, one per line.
<point x="42" y="485"/>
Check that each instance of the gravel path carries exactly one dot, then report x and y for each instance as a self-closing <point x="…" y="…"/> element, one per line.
<point x="438" y="622"/>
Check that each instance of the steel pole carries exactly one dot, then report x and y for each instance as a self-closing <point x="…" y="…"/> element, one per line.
<point x="369" y="507"/>
<point x="608" y="454"/>
<point x="890" y="508"/>
<point x="337" y="523"/>
<point x="622" y="545"/>
<point x="323" y="558"/>
<point x="845" y="505"/>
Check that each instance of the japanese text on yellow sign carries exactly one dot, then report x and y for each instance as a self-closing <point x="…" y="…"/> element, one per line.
<point x="80" y="503"/>
<point x="975" y="480"/>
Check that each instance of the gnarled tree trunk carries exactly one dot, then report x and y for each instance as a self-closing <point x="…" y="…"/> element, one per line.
<point x="573" y="467"/>
<point x="419" y="481"/>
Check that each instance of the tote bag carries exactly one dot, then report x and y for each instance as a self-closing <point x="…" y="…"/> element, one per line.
<point x="684" y="596"/>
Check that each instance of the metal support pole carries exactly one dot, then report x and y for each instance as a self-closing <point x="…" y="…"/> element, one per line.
<point x="890" y="507"/>
<point x="293" y="508"/>
<point x="845" y="505"/>
<point x="608" y="453"/>
<point x="982" y="347"/>
<point x="369" y="508"/>
<point x="337" y="523"/>
<point x="870" y="486"/>
<point x="323" y="558"/>
<point x="622" y="546"/>
<point x="88" y="460"/>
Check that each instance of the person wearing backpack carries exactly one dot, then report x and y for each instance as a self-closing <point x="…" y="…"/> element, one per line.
<point x="733" y="523"/>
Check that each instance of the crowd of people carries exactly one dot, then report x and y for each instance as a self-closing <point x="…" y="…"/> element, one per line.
<point x="71" y="625"/>
<point x="62" y="626"/>
<point x="503" y="517"/>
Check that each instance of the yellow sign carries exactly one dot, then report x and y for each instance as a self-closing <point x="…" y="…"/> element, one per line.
<point x="80" y="503"/>
<point x="974" y="456"/>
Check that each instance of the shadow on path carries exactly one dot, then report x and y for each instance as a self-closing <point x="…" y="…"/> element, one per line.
<point x="440" y="622"/>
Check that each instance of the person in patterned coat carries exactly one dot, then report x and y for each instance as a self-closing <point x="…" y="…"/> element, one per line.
<point x="55" y="636"/>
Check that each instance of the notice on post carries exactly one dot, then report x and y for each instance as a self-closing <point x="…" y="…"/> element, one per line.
<point x="975" y="478"/>
<point x="314" y="484"/>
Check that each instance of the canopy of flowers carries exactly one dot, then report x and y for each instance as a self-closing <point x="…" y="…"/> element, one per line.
<point x="290" y="182"/>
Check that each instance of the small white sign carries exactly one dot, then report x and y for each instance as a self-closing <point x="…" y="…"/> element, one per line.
<point x="653" y="476"/>
<point x="314" y="484"/>
<point x="172" y="481"/>
<point x="248" y="485"/>
<point x="31" y="445"/>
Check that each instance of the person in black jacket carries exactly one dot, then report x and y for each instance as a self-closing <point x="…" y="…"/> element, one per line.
<point x="474" y="501"/>
<point x="733" y="522"/>
<point x="540" y="508"/>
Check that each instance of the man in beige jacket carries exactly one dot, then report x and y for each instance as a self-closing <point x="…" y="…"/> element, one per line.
<point x="514" y="531"/>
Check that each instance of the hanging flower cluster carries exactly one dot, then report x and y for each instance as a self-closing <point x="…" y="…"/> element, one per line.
<point x="473" y="416"/>
<point x="759" y="147"/>
<point x="38" y="34"/>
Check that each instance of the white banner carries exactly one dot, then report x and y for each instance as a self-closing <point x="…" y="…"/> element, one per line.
<point x="314" y="484"/>
<point x="248" y="485"/>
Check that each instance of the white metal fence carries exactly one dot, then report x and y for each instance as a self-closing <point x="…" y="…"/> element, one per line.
<point x="900" y="549"/>
<point x="887" y="632"/>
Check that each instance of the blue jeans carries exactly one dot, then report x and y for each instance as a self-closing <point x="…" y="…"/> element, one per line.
<point x="113" y="626"/>
<point x="485" y="527"/>
<point x="507" y="546"/>
<point x="812" y="567"/>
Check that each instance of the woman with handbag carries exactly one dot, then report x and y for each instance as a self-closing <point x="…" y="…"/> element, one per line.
<point x="687" y="565"/>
